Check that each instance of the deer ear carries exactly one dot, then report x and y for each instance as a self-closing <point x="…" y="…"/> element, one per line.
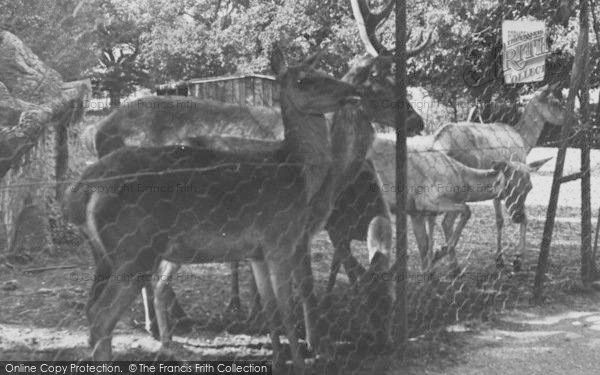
<point x="536" y="165"/>
<point x="277" y="59"/>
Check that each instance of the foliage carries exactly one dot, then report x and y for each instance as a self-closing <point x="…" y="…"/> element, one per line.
<point x="60" y="32"/>
<point x="119" y="70"/>
<point x="466" y="60"/>
<point x="145" y="42"/>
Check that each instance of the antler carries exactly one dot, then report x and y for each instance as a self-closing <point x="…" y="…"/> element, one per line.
<point x="367" y="23"/>
<point x="421" y="46"/>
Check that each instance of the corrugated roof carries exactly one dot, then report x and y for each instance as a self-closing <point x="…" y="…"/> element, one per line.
<point x="174" y="85"/>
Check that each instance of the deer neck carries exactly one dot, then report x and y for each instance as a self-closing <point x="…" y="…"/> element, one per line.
<point x="306" y="141"/>
<point x="480" y="184"/>
<point x="351" y="138"/>
<point x="530" y="126"/>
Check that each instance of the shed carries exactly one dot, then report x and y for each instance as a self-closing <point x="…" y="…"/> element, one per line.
<point x="250" y="90"/>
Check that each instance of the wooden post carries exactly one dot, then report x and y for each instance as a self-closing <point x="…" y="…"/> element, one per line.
<point x="587" y="260"/>
<point x="401" y="334"/>
<point x="577" y="77"/>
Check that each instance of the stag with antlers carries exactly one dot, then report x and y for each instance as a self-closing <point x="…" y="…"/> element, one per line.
<point x="359" y="202"/>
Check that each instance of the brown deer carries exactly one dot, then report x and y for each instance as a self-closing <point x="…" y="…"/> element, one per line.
<point x="170" y="120"/>
<point x="375" y="293"/>
<point x="146" y="210"/>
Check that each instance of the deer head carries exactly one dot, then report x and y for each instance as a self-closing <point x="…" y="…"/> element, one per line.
<point x="311" y="91"/>
<point x="513" y="185"/>
<point x="551" y="108"/>
<point x="374" y="70"/>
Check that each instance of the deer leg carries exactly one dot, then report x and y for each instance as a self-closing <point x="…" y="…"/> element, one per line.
<point x="378" y="286"/>
<point x="255" y="298"/>
<point x="118" y="294"/>
<point x="341" y="249"/>
<point x="420" y="231"/>
<point x="150" y="324"/>
<point x="279" y="271"/>
<point x="523" y="239"/>
<point x="435" y="255"/>
<point x="465" y="215"/>
<point x="176" y="312"/>
<point x="354" y="270"/>
<point x="522" y="244"/>
<point x="263" y="284"/>
<point x="164" y="274"/>
<point x="304" y="279"/>
<point x="499" y="225"/>
<point x="342" y="254"/>
<point x="448" y="224"/>
<point x="448" y="229"/>
<point x="235" y="303"/>
<point x="101" y="278"/>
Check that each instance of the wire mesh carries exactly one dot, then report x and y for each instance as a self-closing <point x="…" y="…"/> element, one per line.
<point x="215" y="319"/>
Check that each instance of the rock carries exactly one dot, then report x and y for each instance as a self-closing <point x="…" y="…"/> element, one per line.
<point x="32" y="230"/>
<point x="36" y="107"/>
<point x="25" y="76"/>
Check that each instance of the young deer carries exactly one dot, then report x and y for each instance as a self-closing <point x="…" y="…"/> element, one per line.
<point x="440" y="184"/>
<point x="146" y="210"/>
<point x="479" y="145"/>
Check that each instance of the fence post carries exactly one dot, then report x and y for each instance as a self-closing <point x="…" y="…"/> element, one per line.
<point x="578" y="76"/>
<point x="401" y="334"/>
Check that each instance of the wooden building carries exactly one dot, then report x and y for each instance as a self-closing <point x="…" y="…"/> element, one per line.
<point x="250" y="90"/>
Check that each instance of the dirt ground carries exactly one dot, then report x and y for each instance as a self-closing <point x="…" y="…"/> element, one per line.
<point x="482" y="322"/>
<point x="552" y="339"/>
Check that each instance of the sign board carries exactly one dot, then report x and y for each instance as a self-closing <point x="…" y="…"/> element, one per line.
<point x="524" y="51"/>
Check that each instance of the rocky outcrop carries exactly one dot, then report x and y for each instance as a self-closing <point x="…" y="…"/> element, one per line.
<point x="36" y="107"/>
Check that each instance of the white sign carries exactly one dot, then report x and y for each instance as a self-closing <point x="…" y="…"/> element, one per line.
<point x="524" y="51"/>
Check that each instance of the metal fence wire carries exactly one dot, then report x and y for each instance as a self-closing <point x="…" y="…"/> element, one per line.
<point x="145" y="202"/>
<point x="171" y="224"/>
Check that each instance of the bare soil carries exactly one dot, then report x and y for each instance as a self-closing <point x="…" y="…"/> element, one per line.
<point x="460" y="327"/>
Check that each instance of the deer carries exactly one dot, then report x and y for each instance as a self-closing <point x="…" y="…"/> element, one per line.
<point x="479" y="145"/>
<point x="373" y="298"/>
<point x="170" y="120"/>
<point x="237" y="207"/>
<point x="439" y="184"/>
